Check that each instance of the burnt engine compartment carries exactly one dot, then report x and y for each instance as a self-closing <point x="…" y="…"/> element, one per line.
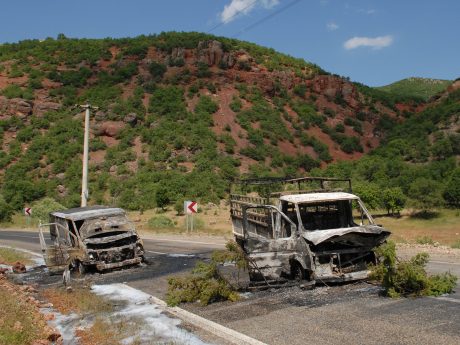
<point x="102" y="248"/>
<point x="348" y="253"/>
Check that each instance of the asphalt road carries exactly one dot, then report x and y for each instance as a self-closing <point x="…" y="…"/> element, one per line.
<point x="344" y="314"/>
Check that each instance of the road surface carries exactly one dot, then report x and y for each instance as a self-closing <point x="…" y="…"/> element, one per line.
<point x="345" y="314"/>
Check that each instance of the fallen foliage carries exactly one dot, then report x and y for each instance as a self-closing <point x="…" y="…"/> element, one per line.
<point x="408" y="277"/>
<point x="206" y="284"/>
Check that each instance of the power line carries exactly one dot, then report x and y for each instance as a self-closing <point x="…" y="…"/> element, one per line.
<point x="264" y="19"/>
<point x="238" y="12"/>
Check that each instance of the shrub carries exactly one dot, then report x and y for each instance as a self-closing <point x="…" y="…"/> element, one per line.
<point x="393" y="200"/>
<point x="340" y="128"/>
<point x="300" y="90"/>
<point x="424" y="240"/>
<point x="160" y="222"/>
<point x="206" y="284"/>
<point x="452" y="190"/>
<point x="203" y="70"/>
<point x="5" y="210"/>
<point x="236" y="104"/>
<point x="12" y="91"/>
<point x="425" y="193"/>
<point x="408" y="278"/>
<point x="42" y="208"/>
<point x="157" y="70"/>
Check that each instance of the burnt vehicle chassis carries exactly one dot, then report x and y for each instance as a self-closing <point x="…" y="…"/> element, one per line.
<point x="305" y="235"/>
<point x="100" y="237"/>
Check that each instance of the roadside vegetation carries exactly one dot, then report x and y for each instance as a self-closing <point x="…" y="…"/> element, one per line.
<point x="409" y="277"/>
<point x="206" y="284"/>
<point x="9" y="256"/>
<point x="20" y="323"/>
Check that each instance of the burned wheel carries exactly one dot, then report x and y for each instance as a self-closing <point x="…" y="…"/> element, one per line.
<point x="297" y="272"/>
<point x="81" y="268"/>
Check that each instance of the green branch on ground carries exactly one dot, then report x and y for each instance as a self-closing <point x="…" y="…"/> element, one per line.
<point x="206" y="284"/>
<point x="409" y="277"/>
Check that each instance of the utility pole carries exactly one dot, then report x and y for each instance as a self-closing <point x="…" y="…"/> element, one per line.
<point x="84" y="180"/>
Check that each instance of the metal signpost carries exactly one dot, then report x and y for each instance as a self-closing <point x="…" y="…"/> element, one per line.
<point x="28" y="214"/>
<point x="190" y="208"/>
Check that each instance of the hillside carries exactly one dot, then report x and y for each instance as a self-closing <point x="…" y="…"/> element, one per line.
<point x="180" y="114"/>
<point x="418" y="160"/>
<point x="416" y="88"/>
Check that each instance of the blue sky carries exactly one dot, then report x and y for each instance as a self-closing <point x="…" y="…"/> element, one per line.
<point x="374" y="42"/>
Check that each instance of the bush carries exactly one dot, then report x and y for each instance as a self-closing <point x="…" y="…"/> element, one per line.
<point x="160" y="222"/>
<point x="452" y="191"/>
<point x="43" y="207"/>
<point x="424" y="240"/>
<point x="206" y="284"/>
<point x="157" y="70"/>
<point x="5" y="210"/>
<point x="408" y="278"/>
<point x="393" y="200"/>
<point x="12" y="91"/>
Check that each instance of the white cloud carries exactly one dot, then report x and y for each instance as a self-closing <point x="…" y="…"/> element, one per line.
<point x="373" y="42"/>
<point x="331" y="26"/>
<point x="236" y="7"/>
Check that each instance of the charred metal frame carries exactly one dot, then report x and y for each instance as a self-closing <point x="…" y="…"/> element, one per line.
<point x="341" y="262"/>
<point x="73" y="248"/>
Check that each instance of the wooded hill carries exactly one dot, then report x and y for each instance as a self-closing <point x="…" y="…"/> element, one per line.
<point x="181" y="114"/>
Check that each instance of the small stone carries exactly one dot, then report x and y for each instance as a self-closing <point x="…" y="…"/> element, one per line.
<point x="19" y="268"/>
<point x="49" y="317"/>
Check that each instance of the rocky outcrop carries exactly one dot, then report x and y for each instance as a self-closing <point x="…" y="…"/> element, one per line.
<point x="15" y="107"/>
<point x="333" y="86"/>
<point x="212" y="53"/>
<point x="41" y="108"/>
<point x="130" y="119"/>
<point x="109" y="128"/>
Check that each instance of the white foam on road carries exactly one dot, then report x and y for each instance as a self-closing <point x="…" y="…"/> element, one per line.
<point x="66" y="325"/>
<point x="139" y="304"/>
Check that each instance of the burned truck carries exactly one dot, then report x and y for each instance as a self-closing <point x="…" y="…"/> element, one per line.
<point x="311" y="234"/>
<point x="97" y="237"/>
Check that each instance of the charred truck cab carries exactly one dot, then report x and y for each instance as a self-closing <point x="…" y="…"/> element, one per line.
<point x="98" y="236"/>
<point x="319" y="235"/>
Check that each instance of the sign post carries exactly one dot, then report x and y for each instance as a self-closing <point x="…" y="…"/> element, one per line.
<point x="28" y="214"/>
<point x="190" y="208"/>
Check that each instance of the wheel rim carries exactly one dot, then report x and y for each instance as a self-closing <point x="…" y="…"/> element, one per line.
<point x="298" y="275"/>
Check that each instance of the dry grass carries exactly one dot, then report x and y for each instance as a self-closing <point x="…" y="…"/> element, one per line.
<point x="9" y="256"/>
<point x="80" y="300"/>
<point x="216" y="221"/>
<point x="19" y="322"/>
<point x="443" y="228"/>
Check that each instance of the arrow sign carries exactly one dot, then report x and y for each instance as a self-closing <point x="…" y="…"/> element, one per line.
<point x="27" y="211"/>
<point x="191" y="207"/>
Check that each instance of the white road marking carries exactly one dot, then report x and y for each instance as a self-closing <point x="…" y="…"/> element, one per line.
<point x="185" y="241"/>
<point x="444" y="262"/>
<point x="172" y="254"/>
<point x="448" y="299"/>
<point x="160" y="253"/>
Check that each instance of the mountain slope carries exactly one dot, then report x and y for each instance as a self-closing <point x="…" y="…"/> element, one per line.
<point x="180" y="114"/>
<point x="416" y="88"/>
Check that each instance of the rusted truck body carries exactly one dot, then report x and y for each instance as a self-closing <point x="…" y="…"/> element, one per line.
<point x="307" y="235"/>
<point x="97" y="236"/>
